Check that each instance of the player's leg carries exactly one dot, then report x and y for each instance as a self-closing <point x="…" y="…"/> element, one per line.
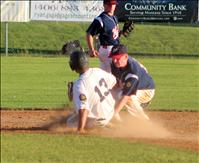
<point x="135" y="109"/>
<point x="140" y="101"/>
<point x="145" y="97"/>
<point x="73" y="119"/>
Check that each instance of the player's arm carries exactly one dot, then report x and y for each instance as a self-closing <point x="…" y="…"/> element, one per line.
<point x="92" y="51"/>
<point x="92" y="31"/>
<point x="83" y="114"/>
<point x="80" y="105"/>
<point x="121" y="104"/>
<point x="130" y="88"/>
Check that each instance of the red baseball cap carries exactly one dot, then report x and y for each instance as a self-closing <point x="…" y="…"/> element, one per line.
<point x="110" y="2"/>
<point x="118" y="51"/>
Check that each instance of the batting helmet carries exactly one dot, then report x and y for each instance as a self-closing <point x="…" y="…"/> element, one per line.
<point x="78" y="60"/>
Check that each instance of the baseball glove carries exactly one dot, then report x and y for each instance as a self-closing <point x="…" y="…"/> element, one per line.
<point x="127" y="28"/>
<point x="71" y="46"/>
<point x="70" y="90"/>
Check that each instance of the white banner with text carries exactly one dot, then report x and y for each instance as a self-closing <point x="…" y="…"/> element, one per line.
<point x="63" y="10"/>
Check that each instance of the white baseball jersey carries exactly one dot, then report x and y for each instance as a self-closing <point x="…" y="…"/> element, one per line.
<point x="92" y="92"/>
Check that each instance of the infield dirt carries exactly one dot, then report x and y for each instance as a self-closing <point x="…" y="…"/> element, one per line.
<point x="173" y="129"/>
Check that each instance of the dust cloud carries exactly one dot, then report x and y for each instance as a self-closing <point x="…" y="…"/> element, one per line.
<point x="132" y="127"/>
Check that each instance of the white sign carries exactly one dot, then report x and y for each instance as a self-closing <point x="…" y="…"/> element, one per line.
<point x="14" y="11"/>
<point x="63" y="10"/>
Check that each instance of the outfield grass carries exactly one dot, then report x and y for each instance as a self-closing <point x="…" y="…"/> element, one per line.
<point x="146" y="38"/>
<point x="38" y="82"/>
<point x="73" y="148"/>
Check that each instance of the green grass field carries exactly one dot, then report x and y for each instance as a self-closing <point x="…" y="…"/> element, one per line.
<point x="40" y="82"/>
<point x="73" y="148"/>
<point x="146" y="38"/>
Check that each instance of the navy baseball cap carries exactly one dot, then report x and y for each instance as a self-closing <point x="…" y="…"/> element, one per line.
<point x="110" y="2"/>
<point x="118" y="51"/>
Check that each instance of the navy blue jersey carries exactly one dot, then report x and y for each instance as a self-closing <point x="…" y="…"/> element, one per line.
<point x="134" y="77"/>
<point x="107" y="27"/>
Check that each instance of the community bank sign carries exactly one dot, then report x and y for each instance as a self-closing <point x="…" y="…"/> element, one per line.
<point x="158" y="10"/>
<point x="170" y="6"/>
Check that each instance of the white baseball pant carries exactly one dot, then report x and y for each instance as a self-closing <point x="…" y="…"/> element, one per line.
<point x="105" y="61"/>
<point x="138" y="102"/>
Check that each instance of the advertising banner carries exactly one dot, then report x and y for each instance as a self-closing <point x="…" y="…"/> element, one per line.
<point x="64" y="10"/>
<point x="14" y="11"/>
<point x="158" y="10"/>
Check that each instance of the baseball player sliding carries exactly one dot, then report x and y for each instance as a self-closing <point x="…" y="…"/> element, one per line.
<point x="93" y="101"/>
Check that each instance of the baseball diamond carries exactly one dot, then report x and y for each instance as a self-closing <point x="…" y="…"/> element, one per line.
<point x="173" y="129"/>
<point x="100" y="81"/>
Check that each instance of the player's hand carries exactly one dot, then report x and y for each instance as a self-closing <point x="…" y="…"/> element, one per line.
<point x="121" y="84"/>
<point x="81" y="131"/>
<point x="117" y="117"/>
<point x="93" y="53"/>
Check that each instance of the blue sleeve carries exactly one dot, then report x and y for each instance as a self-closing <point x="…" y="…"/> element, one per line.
<point x="130" y="86"/>
<point x="94" y="28"/>
<point x="116" y="19"/>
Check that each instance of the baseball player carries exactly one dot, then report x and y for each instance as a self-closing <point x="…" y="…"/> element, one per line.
<point x="136" y="85"/>
<point x="106" y="26"/>
<point x="93" y="101"/>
